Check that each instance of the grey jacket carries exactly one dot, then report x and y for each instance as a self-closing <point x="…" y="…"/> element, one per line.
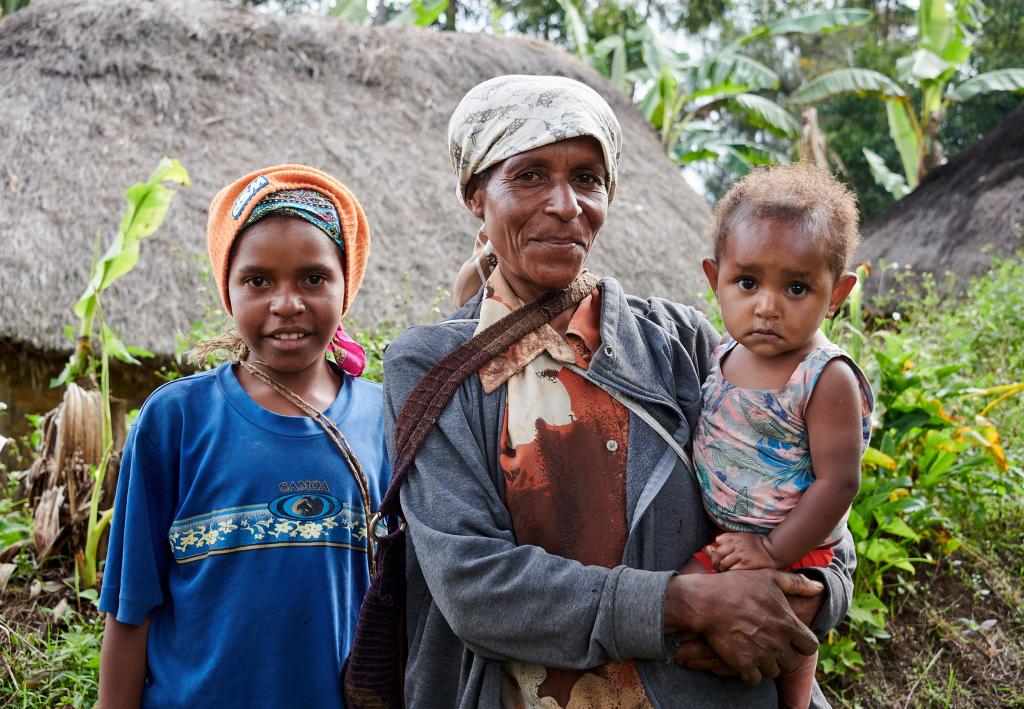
<point x="476" y="598"/>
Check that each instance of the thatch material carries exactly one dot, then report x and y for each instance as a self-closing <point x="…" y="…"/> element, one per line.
<point x="962" y="214"/>
<point x="94" y="93"/>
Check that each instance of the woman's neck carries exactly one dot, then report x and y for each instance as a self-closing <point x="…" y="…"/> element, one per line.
<point x="528" y="293"/>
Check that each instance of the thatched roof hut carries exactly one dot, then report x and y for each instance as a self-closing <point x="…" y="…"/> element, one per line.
<point x="962" y="214"/>
<point x="94" y="93"/>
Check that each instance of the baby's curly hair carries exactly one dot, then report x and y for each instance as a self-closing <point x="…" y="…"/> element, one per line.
<point x="819" y="206"/>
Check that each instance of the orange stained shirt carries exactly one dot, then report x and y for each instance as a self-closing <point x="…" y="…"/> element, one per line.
<point x="566" y="492"/>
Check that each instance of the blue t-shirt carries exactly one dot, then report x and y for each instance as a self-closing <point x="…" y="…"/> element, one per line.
<point x="242" y="534"/>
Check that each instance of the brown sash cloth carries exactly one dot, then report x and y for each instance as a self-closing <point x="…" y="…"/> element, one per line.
<point x="374" y="673"/>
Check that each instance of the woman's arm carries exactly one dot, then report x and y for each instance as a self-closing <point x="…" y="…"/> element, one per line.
<point x="122" y="664"/>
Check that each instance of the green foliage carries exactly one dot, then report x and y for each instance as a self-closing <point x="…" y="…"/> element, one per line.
<point x="690" y="100"/>
<point x="15" y="522"/>
<point x="147" y="206"/>
<point x="419" y="14"/>
<point x="948" y="376"/>
<point x="841" y="81"/>
<point x="350" y="10"/>
<point x="57" y="669"/>
<point x="997" y="47"/>
<point x="943" y="47"/>
<point x="375" y="341"/>
<point x="824" y="22"/>
<point x="9" y="6"/>
<point x="894" y="184"/>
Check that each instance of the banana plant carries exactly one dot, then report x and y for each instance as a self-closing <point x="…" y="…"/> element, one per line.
<point x="148" y="203"/>
<point x="354" y="11"/>
<point x="686" y="98"/>
<point x="607" y="56"/>
<point x="684" y="94"/>
<point x="419" y="13"/>
<point x="943" y="48"/>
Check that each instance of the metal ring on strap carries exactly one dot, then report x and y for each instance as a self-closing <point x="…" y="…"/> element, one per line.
<point x="374" y="522"/>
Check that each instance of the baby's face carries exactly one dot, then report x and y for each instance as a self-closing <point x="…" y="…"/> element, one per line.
<point x="774" y="287"/>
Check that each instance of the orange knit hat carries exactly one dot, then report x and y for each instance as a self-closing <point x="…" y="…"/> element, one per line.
<point x="232" y="205"/>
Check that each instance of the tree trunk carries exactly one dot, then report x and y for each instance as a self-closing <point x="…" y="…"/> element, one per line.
<point x="449" y="15"/>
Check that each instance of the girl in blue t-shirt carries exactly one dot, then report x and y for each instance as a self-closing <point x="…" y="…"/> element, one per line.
<point x="238" y="549"/>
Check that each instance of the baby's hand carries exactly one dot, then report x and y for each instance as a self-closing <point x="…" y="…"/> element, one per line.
<point x="739" y="550"/>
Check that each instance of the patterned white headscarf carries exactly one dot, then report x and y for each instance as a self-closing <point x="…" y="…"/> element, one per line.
<point x="512" y="114"/>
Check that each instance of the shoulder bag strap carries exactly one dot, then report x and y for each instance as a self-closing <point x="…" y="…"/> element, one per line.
<point x="433" y="392"/>
<point x="333" y="432"/>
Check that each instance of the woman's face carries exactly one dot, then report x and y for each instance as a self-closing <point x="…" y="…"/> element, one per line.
<point x="542" y="210"/>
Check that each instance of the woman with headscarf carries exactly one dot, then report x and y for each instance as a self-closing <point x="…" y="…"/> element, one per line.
<point x="549" y="506"/>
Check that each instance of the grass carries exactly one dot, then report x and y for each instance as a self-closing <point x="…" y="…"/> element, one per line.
<point x="53" y="663"/>
<point x="49" y="636"/>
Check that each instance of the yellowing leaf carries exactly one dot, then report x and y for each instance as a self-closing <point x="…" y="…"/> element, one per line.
<point x="941" y="412"/>
<point x="1007" y="392"/>
<point x="987" y="430"/>
<point x="961" y="432"/>
<point x="875" y="457"/>
<point x="898" y="493"/>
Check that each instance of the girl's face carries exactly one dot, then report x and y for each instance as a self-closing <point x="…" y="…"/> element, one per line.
<point x="774" y="287"/>
<point x="287" y="290"/>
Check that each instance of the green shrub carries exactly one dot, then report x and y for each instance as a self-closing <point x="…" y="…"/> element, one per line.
<point x="948" y="376"/>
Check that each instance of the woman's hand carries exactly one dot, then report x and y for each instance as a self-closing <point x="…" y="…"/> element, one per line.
<point x="745" y="620"/>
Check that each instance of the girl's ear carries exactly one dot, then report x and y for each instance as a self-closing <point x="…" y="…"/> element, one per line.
<point x="475" y="197"/>
<point x="710" y="267"/>
<point x="840" y="291"/>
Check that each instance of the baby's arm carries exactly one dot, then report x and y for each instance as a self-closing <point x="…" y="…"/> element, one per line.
<point x="833" y="419"/>
<point x="122" y="664"/>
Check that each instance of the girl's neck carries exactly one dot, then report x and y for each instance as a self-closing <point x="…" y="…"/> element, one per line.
<point x="748" y="370"/>
<point x="317" y="385"/>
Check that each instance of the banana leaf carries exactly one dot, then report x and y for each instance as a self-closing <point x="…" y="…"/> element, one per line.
<point x="934" y="25"/>
<point x="419" y="14"/>
<point x="998" y="80"/>
<point x="922" y="64"/>
<point x="350" y="11"/>
<point x="894" y="184"/>
<point x="616" y="46"/>
<point x="765" y="113"/>
<point x="577" y="29"/>
<point x="906" y="137"/>
<point x="732" y="68"/>
<point x="850" y="80"/>
<point x="821" y="22"/>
